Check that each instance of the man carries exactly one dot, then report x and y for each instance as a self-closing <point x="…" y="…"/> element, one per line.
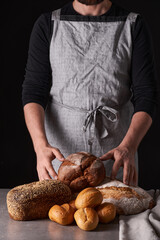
<point x="89" y="86"/>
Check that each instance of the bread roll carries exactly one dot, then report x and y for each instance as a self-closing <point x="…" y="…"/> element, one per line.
<point x="106" y="212"/>
<point x="63" y="214"/>
<point x="33" y="200"/>
<point x="127" y="199"/>
<point x="72" y="204"/>
<point x="86" y="218"/>
<point x="89" y="197"/>
<point x="81" y="170"/>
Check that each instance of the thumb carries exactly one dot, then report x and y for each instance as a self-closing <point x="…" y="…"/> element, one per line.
<point x="58" y="154"/>
<point x="107" y="156"/>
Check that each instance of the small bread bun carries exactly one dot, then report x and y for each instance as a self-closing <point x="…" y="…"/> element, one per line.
<point x="106" y="212"/>
<point x="72" y="204"/>
<point x="86" y="218"/>
<point x="63" y="214"/>
<point x="89" y="197"/>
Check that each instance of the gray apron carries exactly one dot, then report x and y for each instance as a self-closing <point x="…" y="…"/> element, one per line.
<point x="89" y="107"/>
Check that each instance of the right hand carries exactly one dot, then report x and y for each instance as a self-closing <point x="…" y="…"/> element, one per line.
<point x="45" y="155"/>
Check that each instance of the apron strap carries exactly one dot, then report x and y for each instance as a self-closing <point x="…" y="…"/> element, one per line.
<point x="56" y="14"/>
<point x="109" y="113"/>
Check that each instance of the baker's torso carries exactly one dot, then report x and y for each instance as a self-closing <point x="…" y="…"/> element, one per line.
<point x="89" y="108"/>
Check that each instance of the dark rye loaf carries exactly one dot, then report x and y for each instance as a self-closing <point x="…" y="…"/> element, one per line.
<point x="33" y="200"/>
<point x="81" y="170"/>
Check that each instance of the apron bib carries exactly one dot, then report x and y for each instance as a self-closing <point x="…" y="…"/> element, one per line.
<point x="89" y="107"/>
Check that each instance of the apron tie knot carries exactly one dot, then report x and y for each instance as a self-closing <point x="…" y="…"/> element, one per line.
<point x="109" y="113"/>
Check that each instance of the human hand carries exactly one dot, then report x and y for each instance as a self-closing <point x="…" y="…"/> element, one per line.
<point x="125" y="157"/>
<point x="45" y="155"/>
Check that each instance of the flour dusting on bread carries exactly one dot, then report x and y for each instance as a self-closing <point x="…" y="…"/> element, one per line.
<point x="128" y="199"/>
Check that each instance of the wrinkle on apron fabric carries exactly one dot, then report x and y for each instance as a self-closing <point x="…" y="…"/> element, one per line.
<point x="89" y="108"/>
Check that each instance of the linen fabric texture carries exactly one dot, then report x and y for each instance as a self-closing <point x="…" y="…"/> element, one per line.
<point x="90" y="105"/>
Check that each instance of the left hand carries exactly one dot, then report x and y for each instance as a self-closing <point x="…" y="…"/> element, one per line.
<point x="123" y="156"/>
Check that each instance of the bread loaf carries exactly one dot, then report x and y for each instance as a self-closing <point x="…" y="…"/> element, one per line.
<point x="106" y="212"/>
<point x="81" y="170"/>
<point x="63" y="214"/>
<point x="86" y="218"/>
<point x="89" y="197"/>
<point x="33" y="200"/>
<point x="127" y="199"/>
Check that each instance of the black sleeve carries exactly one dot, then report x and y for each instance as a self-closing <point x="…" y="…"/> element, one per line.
<point x="144" y="83"/>
<point x="37" y="82"/>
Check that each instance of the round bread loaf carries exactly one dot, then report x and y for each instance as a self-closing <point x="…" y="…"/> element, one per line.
<point x="33" y="200"/>
<point x="106" y="212"/>
<point x="86" y="218"/>
<point x="89" y="197"/>
<point x="127" y="199"/>
<point x="63" y="214"/>
<point x="81" y="170"/>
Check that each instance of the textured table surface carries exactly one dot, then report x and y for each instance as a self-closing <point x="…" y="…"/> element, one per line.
<point x="48" y="230"/>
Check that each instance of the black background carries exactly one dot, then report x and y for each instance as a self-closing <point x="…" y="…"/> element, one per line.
<point x="18" y="162"/>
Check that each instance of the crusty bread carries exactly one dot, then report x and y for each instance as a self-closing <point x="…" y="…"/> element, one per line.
<point x="88" y="197"/>
<point x="106" y="212"/>
<point x="86" y="218"/>
<point x="72" y="204"/>
<point x="127" y="199"/>
<point x="81" y="170"/>
<point x="33" y="200"/>
<point x="63" y="214"/>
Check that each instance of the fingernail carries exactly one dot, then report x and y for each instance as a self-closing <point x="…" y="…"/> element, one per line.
<point x="55" y="177"/>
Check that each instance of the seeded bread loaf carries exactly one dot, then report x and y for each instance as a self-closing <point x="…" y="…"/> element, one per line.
<point x="33" y="200"/>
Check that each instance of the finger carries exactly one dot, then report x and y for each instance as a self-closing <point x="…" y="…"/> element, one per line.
<point x="58" y="154"/>
<point x="107" y="156"/>
<point x="115" y="168"/>
<point x="39" y="173"/>
<point x="126" y="172"/>
<point x="131" y="175"/>
<point x="135" y="178"/>
<point x="39" y="176"/>
<point x="51" y="171"/>
<point x="44" y="174"/>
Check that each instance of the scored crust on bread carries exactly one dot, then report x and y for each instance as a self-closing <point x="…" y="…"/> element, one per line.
<point x="81" y="170"/>
<point x="127" y="199"/>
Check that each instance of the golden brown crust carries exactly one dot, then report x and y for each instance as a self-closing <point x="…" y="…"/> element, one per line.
<point x="127" y="199"/>
<point x="86" y="218"/>
<point x="118" y="192"/>
<point x="106" y="212"/>
<point x="72" y="204"/>
<point x="63" y="214"/>
<point x="89" y="197"/>
<point x="33" y="200"/>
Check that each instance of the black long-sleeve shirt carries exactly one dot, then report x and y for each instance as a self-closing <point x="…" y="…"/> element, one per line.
<point x="37" y="83"/>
